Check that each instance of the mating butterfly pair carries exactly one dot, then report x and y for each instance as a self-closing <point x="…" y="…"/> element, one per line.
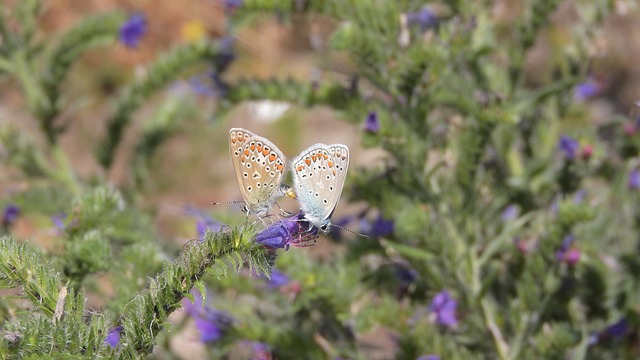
<point x="318" y="176"/>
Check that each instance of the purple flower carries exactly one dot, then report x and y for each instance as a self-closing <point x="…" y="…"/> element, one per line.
<point x="10" y="214"/>
<point x="567" y="253"/>
<point x="586" y="90"/>
<point x="634" y="179"/>
<point x="58" y="221"/>
<point x="132" y="30"/>
<point x="211" y="323"/>
<point x="372" y="124"/>
<point x="511" y="212"/>
<point x="231" y="5"/>
<point x="226" y="55"/>
<point x="209" y="84"/>
<point x="277" y="280"/>
<point x="568" y="146"/>
<point x="292" y="231"/>
<point x="429" y="357"/>
<point x="113" y="336"/>
<point x="381" y="227"/>
<point x="209" y="329"/>
<point x="443" y="309"/>
<point x="204" y="222"/>
<point x="405" y="274"/>
<point x="425" y="18"/>
<point x="616" y="330"/>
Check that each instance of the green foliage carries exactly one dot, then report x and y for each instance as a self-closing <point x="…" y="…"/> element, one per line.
<point x="534" y="242"/>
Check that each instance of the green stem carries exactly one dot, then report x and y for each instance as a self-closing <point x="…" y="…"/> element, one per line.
<point x="64" y="172"/>
<point x="144" y="317"/>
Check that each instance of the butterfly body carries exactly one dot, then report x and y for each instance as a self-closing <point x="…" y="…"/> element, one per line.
<point x="259" y="167"/>
<point x="318" y="175"/>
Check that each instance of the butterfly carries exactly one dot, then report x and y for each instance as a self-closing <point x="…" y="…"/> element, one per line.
<point x="259" y="167"/>
<point x="318" y="176"/>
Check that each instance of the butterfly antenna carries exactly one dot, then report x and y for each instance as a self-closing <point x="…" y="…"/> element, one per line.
<point x="228" y="202"/>
<point x="351" y="231"/>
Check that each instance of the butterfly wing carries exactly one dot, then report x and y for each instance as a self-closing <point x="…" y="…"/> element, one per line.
<point x="259" y="167"/>
<point x="319" y="174"/>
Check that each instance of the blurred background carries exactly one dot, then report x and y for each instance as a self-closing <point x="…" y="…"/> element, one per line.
<point x="192" y="169"/>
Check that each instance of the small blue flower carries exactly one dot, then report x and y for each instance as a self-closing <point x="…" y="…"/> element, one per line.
<point x="616" y="330"/>
<point x="292" y="231"/>
<point x="213" y="324"/>
<point x="204" y="222"/>
<point x="277" y="280"/>
<point x="425" y="18"/>
<point x="405" y="274"/>
<point x="429" y="357"/>
<point x="381" y="227"/>
<point x="132" y="30"/>
<point x="510" y="213"/>
<point x="372" y="124"/>
<point x="568" y="146"/>
<point x="634" y="179"/>
<point x="231" y="5"/>
<point x="586" y="90"/>
<point x="113" y="337"/>
<point x="566" y="253"/>
<point x="443" y="309"/>
<point x="58" y="221"/>
<point x="10" y="214"/>
<point x="226" y="55"/>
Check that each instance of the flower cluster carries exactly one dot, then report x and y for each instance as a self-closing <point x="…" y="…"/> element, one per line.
<point x="291" y="231"/>
<point x="443" y="309"/>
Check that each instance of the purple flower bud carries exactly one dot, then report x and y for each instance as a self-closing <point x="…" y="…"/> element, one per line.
<point x="429" y="357"/>
<point x="113" y="337"/>
<point x="10" y="214"/>
<point x="567" y="253"/>
<point x="425" y="18"/>
<point x="292" y="231"/>
<point x="372" y="124"/>
<point x="232" y="5"/>
<point x="511" y="212"/>
<point x="58" y="221"/>
<point x="634" y="179"/>
<point x="381" y="227"/>
<point x="204" y="222"/>
<point x="132" y="30"/>
<point x="277" y="280"/>
<point x="226" y="55"/>
<point x="443" y="309"/>
<point x="616" y="330"/>
<point x="405" y="274"/>
<point x="211" y="323"/>
<point x="586" y="90"/>
<point x="572" y="256"/>
<point x="568" y="146"/>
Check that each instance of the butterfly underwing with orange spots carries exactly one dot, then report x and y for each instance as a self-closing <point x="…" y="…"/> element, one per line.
<point x="318" y="176"/>
<point x="259" y="167"/>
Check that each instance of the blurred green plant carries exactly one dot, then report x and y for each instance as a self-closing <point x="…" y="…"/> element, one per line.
<point x="506" y="224"/>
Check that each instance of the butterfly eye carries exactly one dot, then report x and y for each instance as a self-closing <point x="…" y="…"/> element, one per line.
<point x="324" y="227"/>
